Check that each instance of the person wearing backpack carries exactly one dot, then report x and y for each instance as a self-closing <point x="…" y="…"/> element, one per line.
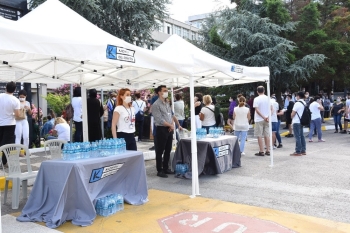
<point x="139" y="106"/>
<point x="298" y="121"/>
<point x="207" y="113"/>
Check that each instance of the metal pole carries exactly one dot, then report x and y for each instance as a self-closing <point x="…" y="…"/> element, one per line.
<point x="37" y="92"/>
<point x="195" y="184"/>
<point x="71" y="121"/>
<point x="173" y="109"/>
<point x="102" y="118"/>
<point x="270" y="124"/>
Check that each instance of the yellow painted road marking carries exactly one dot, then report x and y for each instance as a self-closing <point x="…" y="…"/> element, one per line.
<point x="162" y="204"/>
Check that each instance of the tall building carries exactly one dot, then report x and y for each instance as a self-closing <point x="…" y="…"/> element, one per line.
<point x="197" y="20"/>
<point x="172" y="26"/>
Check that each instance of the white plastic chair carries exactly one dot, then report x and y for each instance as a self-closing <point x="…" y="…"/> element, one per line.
<point x="55" y="147"/>
<point x="184" y="133"/>
<point x="12" y="152"/>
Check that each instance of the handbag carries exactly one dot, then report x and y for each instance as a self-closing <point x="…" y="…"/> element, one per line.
<point x="22" y="114"/>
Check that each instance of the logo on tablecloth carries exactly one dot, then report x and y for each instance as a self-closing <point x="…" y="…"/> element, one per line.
<point x="103" y="172"/>
<point x="221" y="150"/>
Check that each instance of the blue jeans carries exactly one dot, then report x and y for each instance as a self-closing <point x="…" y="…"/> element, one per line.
<point x="300" y="145"/>
<point x="337" y="121"/>
<point x="243" y="136"/>
<point x="278" y="136"/>
<point x="315" y="124"/>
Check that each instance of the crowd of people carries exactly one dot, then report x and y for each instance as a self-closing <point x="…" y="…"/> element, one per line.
<point x="123" y="116"/>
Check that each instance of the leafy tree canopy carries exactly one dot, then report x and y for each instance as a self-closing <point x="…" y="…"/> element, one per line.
<point x="132" y="21"/>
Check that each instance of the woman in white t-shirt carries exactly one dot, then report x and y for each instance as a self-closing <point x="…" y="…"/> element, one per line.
<point x="123" y="122"/>
<point x="207" y="114"/>
<point x="77" y="105"/>
<point x="241" y="117"/>
<point x="22" y="126"/>
<point x="62" y="129"/>
<point x="315" y="109"/>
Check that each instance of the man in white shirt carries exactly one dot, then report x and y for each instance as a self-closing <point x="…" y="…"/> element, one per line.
<point x="10" y="107"/>
<point x="139" y="105"/>
<point x="346" y="114"/>
<point x="298" y="109"/>
<point x="261" y="119"/>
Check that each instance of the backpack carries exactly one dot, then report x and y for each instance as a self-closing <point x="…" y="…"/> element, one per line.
<point x="219" y="117"/>
<point x="69" y="111"/>
<point x="305" y="118"/>
<point x="140" y="114"/>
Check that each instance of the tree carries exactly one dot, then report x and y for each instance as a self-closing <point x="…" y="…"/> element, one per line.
<point x="276" y="11"/>
<point x="256" y="41"/>
<point x="132" y="21"/>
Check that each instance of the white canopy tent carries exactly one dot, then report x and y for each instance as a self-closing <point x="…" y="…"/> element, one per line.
<point x="209" y="71"/>
<point x="53" y="44"/>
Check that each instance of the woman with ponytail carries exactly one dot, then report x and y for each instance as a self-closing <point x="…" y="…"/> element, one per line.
<point x="241" y="117"/>
<point x="123" y="122"/>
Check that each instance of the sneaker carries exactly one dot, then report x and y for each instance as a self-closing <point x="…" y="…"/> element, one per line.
<point x="321" y="140"/>
<point x="242" y="153"/>
<point x="343" y="132"/>
<point x="310" y="140"/>
<point x="260" y="154"/>
<point x="295" y="154"/>
<point x="152" y="148"/>
<point x="274" y="147"/>
<point x="280" y="146"/>
<point x="162" y="174"/>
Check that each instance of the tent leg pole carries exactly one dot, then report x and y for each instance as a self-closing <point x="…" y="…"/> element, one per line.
<point x="173" y="109"/>
<point x="195" y="184"/>
<point x="270" y="123"/>
<point x="102" y="118"/>
<point x="85" y="120"/>
<point x="71" y="121"/>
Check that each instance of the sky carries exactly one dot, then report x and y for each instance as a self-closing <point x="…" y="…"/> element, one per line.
<point x="181" y="9"/>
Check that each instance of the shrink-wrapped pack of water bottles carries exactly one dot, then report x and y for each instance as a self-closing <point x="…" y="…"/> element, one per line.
<point x="101" y="148"/>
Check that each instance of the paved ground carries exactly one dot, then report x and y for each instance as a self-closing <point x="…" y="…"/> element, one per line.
<point x="316" y="184"/>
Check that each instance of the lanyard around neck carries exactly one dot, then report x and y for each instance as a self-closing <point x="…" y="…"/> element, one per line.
<point x="130" y="114"/>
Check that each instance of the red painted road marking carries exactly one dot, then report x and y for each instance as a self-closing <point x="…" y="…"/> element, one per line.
<point x="193" y="222"/>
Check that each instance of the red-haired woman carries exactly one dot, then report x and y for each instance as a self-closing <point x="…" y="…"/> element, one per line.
<point x="124" y="119"/>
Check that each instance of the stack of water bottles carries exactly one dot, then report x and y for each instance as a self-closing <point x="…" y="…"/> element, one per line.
<point x="101" y="148"/>
<point x="111" y="204"/>
<point x="201" y="133"/>
<point x="216" y="132"/>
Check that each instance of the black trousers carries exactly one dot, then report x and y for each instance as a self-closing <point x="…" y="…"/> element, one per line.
<point x="139" y="124"/>
<point x="129" y="139"/>
<point x="7" y="136"/>
<point x="78" y="135"/>
<point x="163" y="145"/>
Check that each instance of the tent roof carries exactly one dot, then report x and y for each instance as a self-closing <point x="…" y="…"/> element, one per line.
<point x="208" y="69"/>
<point x="55" y="44"/>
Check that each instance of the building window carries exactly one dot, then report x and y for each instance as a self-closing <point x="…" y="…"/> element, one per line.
<point x="177" y="30"/>
<point x="168" y="29"/>
<point x="186" y="34"/>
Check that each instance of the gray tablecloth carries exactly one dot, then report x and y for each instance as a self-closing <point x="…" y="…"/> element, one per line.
<point x="67" y="190"/>
<point x="215" y="155"/>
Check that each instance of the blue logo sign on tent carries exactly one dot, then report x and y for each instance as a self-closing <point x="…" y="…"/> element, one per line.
<point x="119" y="53"/>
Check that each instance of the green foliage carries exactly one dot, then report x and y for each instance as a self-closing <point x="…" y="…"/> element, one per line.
<point x="57" y="102"/>
<point x="217" y="40"/>
<point x="132" y="21"/>
<point x="276" y="11"/>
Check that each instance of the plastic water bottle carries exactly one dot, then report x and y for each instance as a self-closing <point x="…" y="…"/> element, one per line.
<point x="123" y="145"/>
<point x="120" y="201"/>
